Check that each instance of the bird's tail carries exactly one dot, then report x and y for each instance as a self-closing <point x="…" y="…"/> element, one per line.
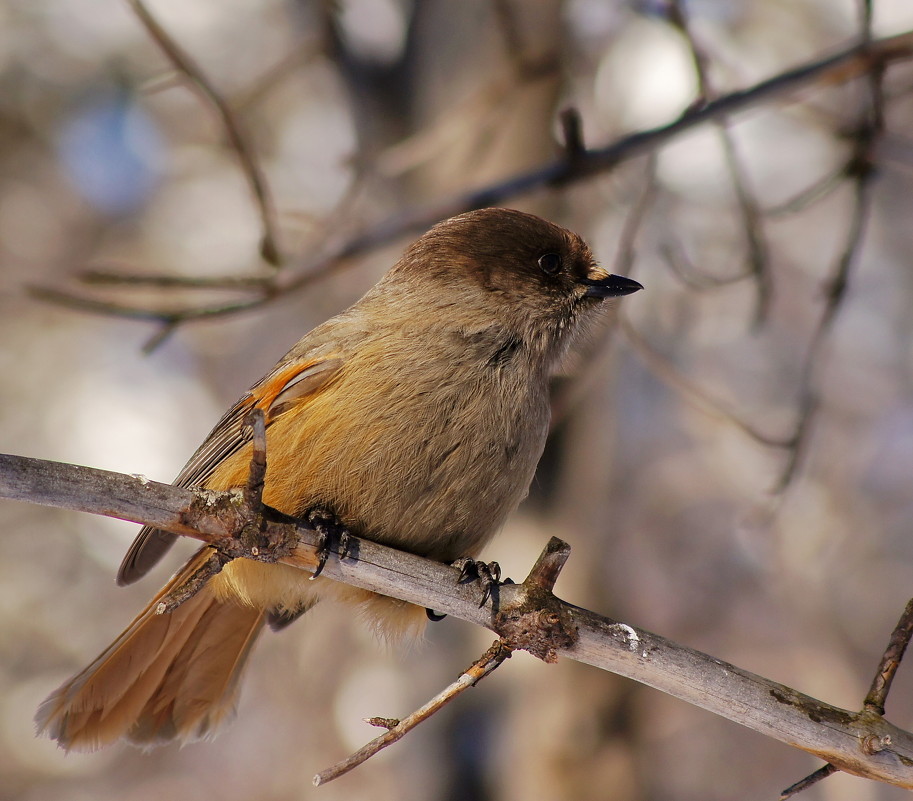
<point x="168" y="676"/>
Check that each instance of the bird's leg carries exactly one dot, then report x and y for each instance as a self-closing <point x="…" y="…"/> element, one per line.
<point x="488" y="574"/>
<point x="331" y="531"/>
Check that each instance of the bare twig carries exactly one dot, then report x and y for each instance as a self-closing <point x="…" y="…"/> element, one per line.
<point x="484" y="108"/>
<point x="548" y="566"/>
<point x="192" y="585"/>
<point x="874" y="700"/>
<point x="862" y="170"/>
<point x="810" y="195"/>
<point x="397" y="729"/>
<point x="164" y="316"/>
<point x="572" y="133"/>
<point x="300" y="55"/>
<point x="666" y="371"/>
<point x="682" y="268"/>
<point x="755" y="242"/>
<point x="822" y="773"/>
<point x="505" y="16"/>
<point x="890" y="661"/>
<point x="564" y="400"/>
<point x="627" y="240"/>
<point x="253" y="492"/>
<point x="865" y="19"/>
<point x="806" y="412"/>
<point x="187" y="66"/>
<point x="166" y="329"/>
<point x="117" y="278"/>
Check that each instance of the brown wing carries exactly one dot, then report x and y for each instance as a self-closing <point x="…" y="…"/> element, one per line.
<point x="289" y="384"/>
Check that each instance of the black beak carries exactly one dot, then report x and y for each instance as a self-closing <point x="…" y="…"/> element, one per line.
<point x="612" y="286"/>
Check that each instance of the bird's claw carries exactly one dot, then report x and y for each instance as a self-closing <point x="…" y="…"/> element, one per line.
<point x="330" y="532"/>
<point x="488" y="574"/>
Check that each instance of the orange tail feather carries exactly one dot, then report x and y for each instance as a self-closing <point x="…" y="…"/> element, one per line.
<point x="166" y="677"/>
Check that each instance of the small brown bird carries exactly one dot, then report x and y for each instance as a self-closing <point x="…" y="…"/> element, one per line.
<point x="416" y="417"/>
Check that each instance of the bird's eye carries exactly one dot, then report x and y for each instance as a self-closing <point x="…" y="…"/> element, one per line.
<point x="550" y="263"/>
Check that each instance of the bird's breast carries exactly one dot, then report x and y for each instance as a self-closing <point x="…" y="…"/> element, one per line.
<point x="431" y="461"/>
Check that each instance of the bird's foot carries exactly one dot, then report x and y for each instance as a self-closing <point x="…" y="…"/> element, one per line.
<point x="488" y="574"/>
<point x="331" y="531"/>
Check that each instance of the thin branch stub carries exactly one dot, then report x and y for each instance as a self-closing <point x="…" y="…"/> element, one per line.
<point x="535" y="620"/>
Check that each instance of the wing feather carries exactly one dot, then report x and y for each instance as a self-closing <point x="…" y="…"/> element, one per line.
<point x="290" y="384"/>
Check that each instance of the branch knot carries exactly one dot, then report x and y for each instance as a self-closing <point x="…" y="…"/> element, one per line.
<point x="536" y="621"/>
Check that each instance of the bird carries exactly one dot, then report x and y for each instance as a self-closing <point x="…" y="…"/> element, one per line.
<point x="415" y="418"/>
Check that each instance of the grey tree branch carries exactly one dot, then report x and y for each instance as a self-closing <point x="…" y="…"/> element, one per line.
<point x="525" y="615"/>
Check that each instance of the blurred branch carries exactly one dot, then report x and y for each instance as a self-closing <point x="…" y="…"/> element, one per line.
<point x="505" y="15"/>
<point x="634" y="221"/>
<point x="859" y="58"/>
<point x="237" y="138"/>
<point x="567" y="397"/>
<point x="666" y="371"/>
<point x="758" y="259"/>
<point x="810" y="194"/>
<point x="861" y="170"/>
<point x="756" y="243"/>
<point x="168" y="320"/>
<point x="836" y="291"/>
<point x="473" y="116"/>
<point x="526" y="615"/>
<point x="681" y="267"/>
<point x="300" y="55"/>
<point x="117" y="278"/>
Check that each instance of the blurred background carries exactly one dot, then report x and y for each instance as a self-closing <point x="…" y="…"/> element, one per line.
<point x="669" y="471"/>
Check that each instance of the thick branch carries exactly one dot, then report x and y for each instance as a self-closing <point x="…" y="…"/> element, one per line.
<point x="860" y="743"/>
